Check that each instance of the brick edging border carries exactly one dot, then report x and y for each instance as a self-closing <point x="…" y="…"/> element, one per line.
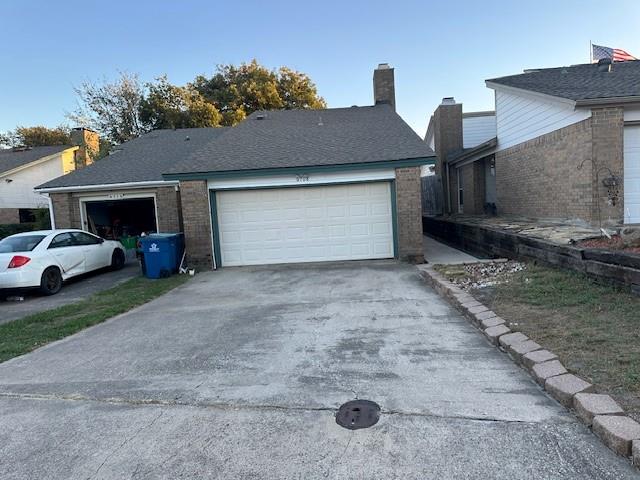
<point x="599" y="412"/>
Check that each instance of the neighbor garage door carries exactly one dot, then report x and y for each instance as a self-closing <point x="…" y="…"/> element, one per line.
<point x="632" y="174"/>
<point x="305" y="224"/>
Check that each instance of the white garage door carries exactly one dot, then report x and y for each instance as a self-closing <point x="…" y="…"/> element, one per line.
<point x="632" y="174"/>
<point x="305" y="224"/>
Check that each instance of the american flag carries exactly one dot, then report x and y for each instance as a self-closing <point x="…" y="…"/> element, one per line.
<point x="615" y="54"/>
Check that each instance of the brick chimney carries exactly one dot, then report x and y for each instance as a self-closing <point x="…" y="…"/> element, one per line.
<point x="447" y="135"/>
<point x="89" y="143"/>
<point x="384" y="90"/>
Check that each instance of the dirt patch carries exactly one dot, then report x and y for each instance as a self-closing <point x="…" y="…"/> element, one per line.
<point x="614" y="243"/>
<point x="594" y="329"/>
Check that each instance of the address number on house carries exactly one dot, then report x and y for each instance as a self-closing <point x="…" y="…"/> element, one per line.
<point x="302" y="178"/>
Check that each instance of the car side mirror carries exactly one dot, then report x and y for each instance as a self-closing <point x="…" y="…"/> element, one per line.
<point x="100" y="240"/>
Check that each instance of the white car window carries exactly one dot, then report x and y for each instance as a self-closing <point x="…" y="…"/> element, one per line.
<point x="23" y="243"/>
<point x="62" y="240"/>
<point x="85" y="239"/>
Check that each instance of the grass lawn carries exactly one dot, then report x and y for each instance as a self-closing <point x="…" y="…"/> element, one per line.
<point x="594" y="329"/>
<point x="21" y="336"/>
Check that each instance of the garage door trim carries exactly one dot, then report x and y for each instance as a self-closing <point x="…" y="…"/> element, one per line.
<point x="215" y="227"/>
<point x="113" y="197"/>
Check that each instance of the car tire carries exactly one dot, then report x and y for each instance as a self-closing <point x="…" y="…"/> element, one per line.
<point x="117" y="259"/>
<point x="51" y="281"/>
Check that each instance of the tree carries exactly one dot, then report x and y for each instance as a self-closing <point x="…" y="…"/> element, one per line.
<point x="170" y="106"/>
<point x="111" y="108"/>
<point x="37" y="136"/>
<point x="239" y="91"/>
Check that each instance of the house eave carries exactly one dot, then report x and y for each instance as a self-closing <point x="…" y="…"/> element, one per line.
<point x="410" y="162"/>
<point x="107" y="186"/>
<point x="609" y="101"/>
<point x="524" y="91"/>
<point x="38" y="161"/>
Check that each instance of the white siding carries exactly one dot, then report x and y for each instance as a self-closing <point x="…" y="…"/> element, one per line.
<point x="521" y="117"/>
<point x="632" y="174"/>
<point x="631" y="114"/>
<point x="477" y="130"/>
<point x="19" y="192"/>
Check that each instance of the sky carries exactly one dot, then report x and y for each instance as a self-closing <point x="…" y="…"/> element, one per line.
<point x="438" y="48"/>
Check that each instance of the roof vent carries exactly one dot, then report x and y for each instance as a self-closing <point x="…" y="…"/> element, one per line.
<point x="604" y="65"/>
<point x="186" y="139"/>
<point x="261" y="116"/>
<point x="448" y="101"/>
<point x="320" y="121"/>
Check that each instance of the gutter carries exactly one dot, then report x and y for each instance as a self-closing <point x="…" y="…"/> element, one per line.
<point x="592" y="102"/>
<point x="107" y="186"/>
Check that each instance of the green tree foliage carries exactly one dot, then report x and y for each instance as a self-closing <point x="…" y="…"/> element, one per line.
<point x="170" y="106"/>
<point x="37" y="136"/>
<point x="238" y="91"/>
<point x="111" y="108"/>
<point x="125" y="108"/>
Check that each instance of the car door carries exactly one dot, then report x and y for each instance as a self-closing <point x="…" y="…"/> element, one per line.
<point x="94" y="250"/>
<point x="67" y="254"/>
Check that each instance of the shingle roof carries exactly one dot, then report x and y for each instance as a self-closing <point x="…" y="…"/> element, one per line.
<point x="10" y="159"/>
<point x="303" y="138"/>
<point x="579" y="82"/>
<point x="142" y="159"/>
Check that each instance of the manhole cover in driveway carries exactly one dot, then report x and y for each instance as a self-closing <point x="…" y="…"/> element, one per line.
<point x="358" y="414"/>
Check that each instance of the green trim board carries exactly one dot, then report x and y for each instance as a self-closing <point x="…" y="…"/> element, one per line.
<point x="213" y="205"/>
<point x="394" y="218"/>
<point x="413" y="162"/>
<point x="215" y="229"/>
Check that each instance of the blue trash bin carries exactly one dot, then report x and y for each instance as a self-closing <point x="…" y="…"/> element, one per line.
<point x="161" y="254"/>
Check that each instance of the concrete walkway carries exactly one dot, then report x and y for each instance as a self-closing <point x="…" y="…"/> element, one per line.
<point x="438" y="253"/>
<point x="238" y="373"/>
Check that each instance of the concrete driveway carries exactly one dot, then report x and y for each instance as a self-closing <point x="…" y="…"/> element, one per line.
<point x="73" y="291"/>
<point x="238" y="374"/>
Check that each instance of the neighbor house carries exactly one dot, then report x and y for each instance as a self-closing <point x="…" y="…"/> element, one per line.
<point x="566" y="146"/>
<point x="280" y="187"/>
<point x="23" y="168"/>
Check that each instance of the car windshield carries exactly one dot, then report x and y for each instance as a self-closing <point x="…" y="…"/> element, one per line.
<point x="21" y="243"/>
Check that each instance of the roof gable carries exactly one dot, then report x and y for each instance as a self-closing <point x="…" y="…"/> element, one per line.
<point x="11" y="159"/>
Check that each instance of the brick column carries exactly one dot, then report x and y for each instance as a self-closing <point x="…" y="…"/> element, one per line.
<point x="169" y="211"/>
<point x="9" y="215"/>
<point x="607" y="129"/>
<point x="194" y="196"/>
<point x="64" y="210"/>
<point x="409" y="215"/>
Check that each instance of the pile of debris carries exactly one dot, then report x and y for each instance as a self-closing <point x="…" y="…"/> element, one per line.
<point x="482" y="275"/>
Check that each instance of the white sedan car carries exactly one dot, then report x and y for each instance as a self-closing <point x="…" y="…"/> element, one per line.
<point x="44" y="259"/>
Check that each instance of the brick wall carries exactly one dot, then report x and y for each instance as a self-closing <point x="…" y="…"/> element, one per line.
<point x="473" y="188"/>
<point x="9" y="215"/>
<point x="66" y="210"/>
<point x="194" y="197"/>
<point x="408" y="206"/>
<point x="541" y="178"/>
<point x="607" y="129"/>
<point x="169" y="210"/>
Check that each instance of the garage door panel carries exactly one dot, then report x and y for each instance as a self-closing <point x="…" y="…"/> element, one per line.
<point x="305" y="224"/>
<point x="632" y="174"/>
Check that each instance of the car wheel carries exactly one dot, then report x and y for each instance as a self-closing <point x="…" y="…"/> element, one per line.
<point x="51" y="281"/>
<point x="117" y="259"/>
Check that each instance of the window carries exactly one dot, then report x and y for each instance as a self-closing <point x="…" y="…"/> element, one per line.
<point x="26" y="215"/>
<point x="62" y="240"/>
<point x="85" y="239"/>
<point x="21" y="243"/>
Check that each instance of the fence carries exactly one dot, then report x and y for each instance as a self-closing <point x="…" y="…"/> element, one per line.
<point x="432" y="196"/>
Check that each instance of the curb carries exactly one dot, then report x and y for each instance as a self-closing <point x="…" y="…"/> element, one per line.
<point x="600" y="413"/>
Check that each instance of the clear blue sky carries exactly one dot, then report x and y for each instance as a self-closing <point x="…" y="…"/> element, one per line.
<point x="445" y="48"/>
